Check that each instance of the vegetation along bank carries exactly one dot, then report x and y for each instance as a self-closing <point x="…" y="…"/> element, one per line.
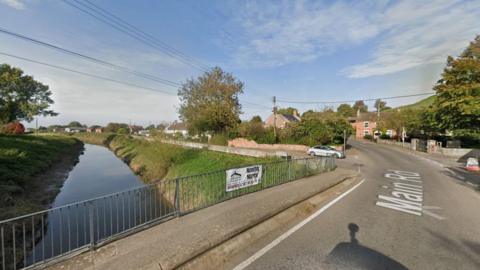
<point x="32" y="170"/>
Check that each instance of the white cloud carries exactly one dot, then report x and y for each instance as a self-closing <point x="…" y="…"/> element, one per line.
<point x="17" y="4"/>
<point x="301" y="32"/>
<point x="419" y="33"/>
<point x="406" y="34"/>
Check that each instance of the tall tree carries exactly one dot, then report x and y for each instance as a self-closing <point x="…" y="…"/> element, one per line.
<point x="287" y="111"/>
<point x="345" y="110"/>
<point x="457" y="106"/>
<point x="210" y="102"/>
<point x="381" y="105"/>
<point x="21" y="97"/>
<point x="360" y="105"/>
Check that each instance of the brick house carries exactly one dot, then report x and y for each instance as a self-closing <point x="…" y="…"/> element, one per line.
<point x="282" y="120"/>
<point x="366" y="124"/>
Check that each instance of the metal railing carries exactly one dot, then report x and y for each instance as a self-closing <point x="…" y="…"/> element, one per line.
<point x="43" y="236"/>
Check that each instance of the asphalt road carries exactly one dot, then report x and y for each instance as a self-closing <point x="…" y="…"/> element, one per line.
<point x="425" y="220"/>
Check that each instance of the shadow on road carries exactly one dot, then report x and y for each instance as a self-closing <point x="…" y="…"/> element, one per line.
<point x="352" y="255"/>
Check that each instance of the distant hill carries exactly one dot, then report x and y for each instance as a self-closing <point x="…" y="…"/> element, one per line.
<point x="421" y="104"/>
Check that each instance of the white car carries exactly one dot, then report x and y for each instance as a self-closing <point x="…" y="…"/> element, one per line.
<point x="325" y="151"/>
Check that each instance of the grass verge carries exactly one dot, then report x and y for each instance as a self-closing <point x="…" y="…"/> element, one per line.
<point x="22" y="159"/>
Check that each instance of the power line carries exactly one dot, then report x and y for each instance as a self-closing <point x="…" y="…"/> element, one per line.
<point x="134" y="34"/>
<point x="349" y="101"/>
<point x="145" y="34"/>
<point x="91" y="59"/>
<point x="86" y="74"/>
<point x="255" y="104"/>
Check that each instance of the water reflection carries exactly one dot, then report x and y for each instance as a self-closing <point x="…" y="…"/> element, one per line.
<point x="68" y="226"/>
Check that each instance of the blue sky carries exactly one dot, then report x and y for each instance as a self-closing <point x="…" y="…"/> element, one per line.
<point x="295" y="50"/>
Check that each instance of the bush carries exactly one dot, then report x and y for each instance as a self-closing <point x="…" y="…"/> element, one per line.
<point x="13" y="128"/>
<point x="368" y="137"/>
<point x="219" y="139"/>
<point x="385" y="137"/>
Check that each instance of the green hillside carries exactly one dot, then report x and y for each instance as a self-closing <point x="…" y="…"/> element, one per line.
<point x="421" y="104"/>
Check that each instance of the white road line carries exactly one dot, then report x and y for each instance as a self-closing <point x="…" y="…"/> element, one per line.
<point x="282" y="237"/>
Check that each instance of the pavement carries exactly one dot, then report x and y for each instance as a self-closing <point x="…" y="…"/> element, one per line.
<point x="454" y="167"/>
<point x="409" y="213"/>
<point x="173" y="243"/>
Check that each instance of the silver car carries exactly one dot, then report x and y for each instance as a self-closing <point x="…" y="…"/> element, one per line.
<point x="325" y="151"/>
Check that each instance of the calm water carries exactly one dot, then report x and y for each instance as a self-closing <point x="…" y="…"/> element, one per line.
<point x="98" y="173"/>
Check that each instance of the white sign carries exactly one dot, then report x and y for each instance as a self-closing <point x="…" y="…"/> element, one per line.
<point x="472" y="162"/>
<point x="243" y="177"/>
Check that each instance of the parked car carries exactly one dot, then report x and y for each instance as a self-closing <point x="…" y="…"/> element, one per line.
<point x="325" y="151"/>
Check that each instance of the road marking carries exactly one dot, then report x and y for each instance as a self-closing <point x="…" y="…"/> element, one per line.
<point x="406" y="195"/>
<point x="282" y="237"/>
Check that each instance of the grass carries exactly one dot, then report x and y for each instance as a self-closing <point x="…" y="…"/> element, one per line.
<point x="421" y="104"/>
<point x="154" y="160"/>
<point x="22" y="157"/>
<point x="94" y="138"/>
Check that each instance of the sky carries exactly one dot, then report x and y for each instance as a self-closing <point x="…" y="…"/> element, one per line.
<point x="295" y="50"/>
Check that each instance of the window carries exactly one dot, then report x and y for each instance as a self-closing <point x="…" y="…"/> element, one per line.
<point x="365" y="132"/>
<point x="365" y="124"/>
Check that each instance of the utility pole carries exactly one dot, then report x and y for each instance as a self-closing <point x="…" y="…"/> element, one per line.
<point x="36" y="124"/>
<point x="275" y="118"/>
<point x="345" y="143"/>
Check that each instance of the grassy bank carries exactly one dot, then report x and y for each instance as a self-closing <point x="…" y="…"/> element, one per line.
<point x="23" y="158"/>
<point x="153" y="160"/>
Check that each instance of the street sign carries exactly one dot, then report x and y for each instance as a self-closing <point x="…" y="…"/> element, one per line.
<point x="243" y="177"/>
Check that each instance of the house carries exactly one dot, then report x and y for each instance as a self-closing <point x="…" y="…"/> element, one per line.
<point x="134" y="129"/>
<point x="176" y="127"/>
<point x="75" y="129"/>
<point x="144" y="132"/>
<point x="366" y="124"/>
<point x="99" y="130"/>
<point x="282" y="120"/>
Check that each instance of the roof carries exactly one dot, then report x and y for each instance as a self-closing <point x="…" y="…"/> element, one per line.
<point x="177" y="126"/>
<point x="290" y="118"/>
<point x="371" y="116"/>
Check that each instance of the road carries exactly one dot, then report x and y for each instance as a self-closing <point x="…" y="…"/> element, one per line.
<point x="407" y="214"/>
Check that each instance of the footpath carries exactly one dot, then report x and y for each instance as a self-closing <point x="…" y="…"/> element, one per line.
<point x="176" y="242"/>
<point x="454" y="167"/>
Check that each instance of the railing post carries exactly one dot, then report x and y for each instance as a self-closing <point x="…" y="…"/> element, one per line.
<point x="91" y="224"/>
<point x="289" y="169"/>
<point x="177" y="197"/>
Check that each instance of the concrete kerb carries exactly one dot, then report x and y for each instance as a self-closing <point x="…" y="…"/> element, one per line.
<point x="173" y="243"/>
<point x="224" y="255"/>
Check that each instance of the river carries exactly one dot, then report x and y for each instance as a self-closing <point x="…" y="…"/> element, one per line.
<point x="69" y="225"/>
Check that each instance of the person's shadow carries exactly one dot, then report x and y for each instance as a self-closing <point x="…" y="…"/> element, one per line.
<point x="352" y="255"/>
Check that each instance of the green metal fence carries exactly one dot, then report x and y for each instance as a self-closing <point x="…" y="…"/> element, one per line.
<point x="44" y="236"/>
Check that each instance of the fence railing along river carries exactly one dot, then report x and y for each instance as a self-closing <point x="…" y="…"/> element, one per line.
<point x="44" y="236"/>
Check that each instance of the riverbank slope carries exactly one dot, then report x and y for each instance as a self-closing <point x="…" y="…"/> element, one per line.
<point x="32" y="170"/>
<point x="154" y="160"/>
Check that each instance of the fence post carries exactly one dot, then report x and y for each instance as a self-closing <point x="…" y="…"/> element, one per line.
<point x="289" y="169"/>
<point x="91" y="224"/>
<point x="177" y="197"/>
<point x="305" y="168"/>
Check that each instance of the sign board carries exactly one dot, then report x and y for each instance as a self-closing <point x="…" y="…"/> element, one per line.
<point x="243" y="177"/>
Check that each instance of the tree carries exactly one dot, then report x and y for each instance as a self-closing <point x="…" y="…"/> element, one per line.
<point x="210" y="102"/>
<point x="114" y="127"/>
<point x="21" y="97"/>
<point x="256" y="119"/>
<point x="381" y="105"/>
<point x="360" y="105"/>
<point x="345" y="110"/>
<point x="74" y="124"/>
<point x="287" y="111"/>
<point x="457" y="105"/>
